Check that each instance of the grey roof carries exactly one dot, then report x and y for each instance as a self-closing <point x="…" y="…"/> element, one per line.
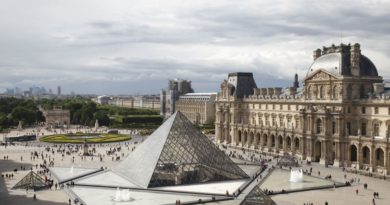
<point x="177" y="153"/>
<point x="243" y="83"/>
<point x="340" y="65"/>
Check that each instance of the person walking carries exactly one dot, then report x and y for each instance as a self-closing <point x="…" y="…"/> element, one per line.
<point x="357" y="191"/>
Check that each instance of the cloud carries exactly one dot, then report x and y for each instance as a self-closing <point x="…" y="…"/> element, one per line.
<point x="96" y="46"/>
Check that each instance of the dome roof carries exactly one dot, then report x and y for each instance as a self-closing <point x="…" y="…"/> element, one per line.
<point x="339" y="64"/>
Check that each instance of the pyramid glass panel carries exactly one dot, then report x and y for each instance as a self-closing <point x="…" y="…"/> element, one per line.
<point x="189" y="157"/>
<point x="257" y="197"/>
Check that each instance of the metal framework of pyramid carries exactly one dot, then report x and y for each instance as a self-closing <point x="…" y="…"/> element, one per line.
<point x="177" y="153"/>
<point x="31" y="181"/>
<point x="257" y="197"/>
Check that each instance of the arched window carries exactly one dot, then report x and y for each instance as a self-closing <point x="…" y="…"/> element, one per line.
<point x="362" y="92"/>
<point x="322" y="92"/>
<point x="309" y="92"/>
<point x="376" y="129"/>
<point x="349" y="92"/>
<point x="333" y="127"/>
<point x="319" y="126"/>
<point x="334" y="93"/>
<point x="363" y="128"/>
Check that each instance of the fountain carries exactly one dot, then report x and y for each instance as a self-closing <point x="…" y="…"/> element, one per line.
<point x="117" y="194"/>
<point x="296" y="176"/>
<point x="71" y="170"/>
<point x="122" y="195"/>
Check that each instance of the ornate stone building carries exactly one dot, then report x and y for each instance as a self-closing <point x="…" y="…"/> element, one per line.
<point x="340" y="116"/>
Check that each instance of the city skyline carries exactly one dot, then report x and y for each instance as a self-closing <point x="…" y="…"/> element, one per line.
<point x="124" y="47"/>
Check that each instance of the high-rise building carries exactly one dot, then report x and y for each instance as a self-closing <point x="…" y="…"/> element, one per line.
<point x="181" y="86"/>
<point x="176" y="88"/>
<point x="58" y="90"/>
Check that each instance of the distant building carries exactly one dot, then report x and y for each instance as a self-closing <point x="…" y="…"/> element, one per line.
<point x="57" y="117"/>
<point x="103" y="100"/>
<point x="144" y="101"/>
<point x="181" y="86"/>
<point x="199" y="108"/>
<point x="58" y="90"/>
<point x="169" y="97"/>
<point x="339" y="117"/>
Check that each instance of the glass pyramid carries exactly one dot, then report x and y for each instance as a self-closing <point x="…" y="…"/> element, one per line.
<point x="257" y="197"/>
<point x="178" y="153"/>
<point x="31" y="181"/>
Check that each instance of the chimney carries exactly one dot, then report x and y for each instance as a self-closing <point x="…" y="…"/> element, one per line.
<point x="316" y="53"/>
<point x="355" y="59"/>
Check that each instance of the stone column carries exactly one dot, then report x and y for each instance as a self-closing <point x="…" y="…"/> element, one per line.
<point x="372" y="158"/>
<point x="261" y="140"/>
<point x="218" y="125"/>
<point x="255" y="141"/>
<point x="269" y="142"/>
<point x="226" y="132"/>
<point x="310" y="152"/>
<point x="292" y="145"/>
<point x="218" y="132"/>
<point x="359" y="157"/>
<point x="386" y="162"/>
<point x="337" y="160"/>
<point x="323" y="158"/>
<point x="302" y="148"/>
<point x="277" y="142"/>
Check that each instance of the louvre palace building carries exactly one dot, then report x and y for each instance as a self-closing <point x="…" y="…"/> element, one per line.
<point x="340" y="115"/>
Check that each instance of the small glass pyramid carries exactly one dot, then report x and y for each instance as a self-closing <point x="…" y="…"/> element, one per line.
<point x="31" y="181"/>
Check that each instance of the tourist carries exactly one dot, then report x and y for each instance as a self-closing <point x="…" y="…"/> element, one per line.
<point x="357" y="191"/>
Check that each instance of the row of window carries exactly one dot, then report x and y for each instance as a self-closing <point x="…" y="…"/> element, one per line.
<point x="376" y="110"/>
<point x="362" y="129"/>
<point x="269" y="106"/>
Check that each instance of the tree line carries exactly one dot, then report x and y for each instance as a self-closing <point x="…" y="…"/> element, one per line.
<point x="13" y="110"/>
<point x="83" y="111"/>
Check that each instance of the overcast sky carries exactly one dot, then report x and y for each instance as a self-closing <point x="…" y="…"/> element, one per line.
<point x="129" y="47"/>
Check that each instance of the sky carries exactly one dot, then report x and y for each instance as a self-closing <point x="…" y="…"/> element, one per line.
<point x="134" y="47"/>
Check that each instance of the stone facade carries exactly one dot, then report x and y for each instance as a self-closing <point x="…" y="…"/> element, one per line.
<point x="57" y="117"/>
<point x="199" y="108"/>
<point x="341" y="116"/>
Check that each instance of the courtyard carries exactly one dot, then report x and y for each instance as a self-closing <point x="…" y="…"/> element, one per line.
<point x="19" y="157"/>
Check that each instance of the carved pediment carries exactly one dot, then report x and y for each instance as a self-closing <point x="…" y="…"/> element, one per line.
<point x="320" y="76"/>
